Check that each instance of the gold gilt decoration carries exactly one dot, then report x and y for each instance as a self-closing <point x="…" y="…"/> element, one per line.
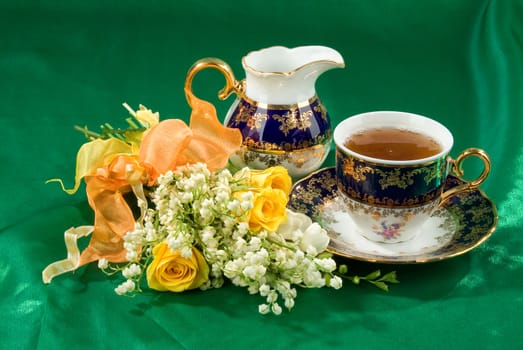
<point x="358" y="173"/>
<point x="433" y="172"/>
<point x="396" y="177"/>
<point x="245" y="113"/>
<point x="296" y="158"/>
<point x="308" y="193"/>
<point x="377" y="213"/>
<point x="403" y="179"/>
<point x="319" y="108"/>
<point x="257" y="120"/>
<point x="293" y="119"/>
<point x="285" y="146"/>
<point x="388" y="202"/>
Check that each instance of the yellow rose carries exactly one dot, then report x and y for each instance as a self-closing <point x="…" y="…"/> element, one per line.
<point x="275" y="177"/>
<point x="170" y="271"/>
<point x="268" y="210"/>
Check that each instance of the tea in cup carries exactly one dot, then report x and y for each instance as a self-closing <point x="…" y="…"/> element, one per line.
<point x="391" y="169"/>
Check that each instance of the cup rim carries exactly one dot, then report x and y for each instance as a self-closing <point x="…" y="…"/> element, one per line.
<point x="340" y="136"/>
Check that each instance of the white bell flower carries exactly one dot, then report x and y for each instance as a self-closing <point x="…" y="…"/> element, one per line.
<point x="315" y="239"/>
<point x="295" y="224"/>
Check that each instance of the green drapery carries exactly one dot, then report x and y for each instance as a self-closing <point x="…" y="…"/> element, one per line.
<point x="457" y="61"/>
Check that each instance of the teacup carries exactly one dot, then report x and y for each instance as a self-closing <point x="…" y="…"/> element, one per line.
<point x="390" y="199"/>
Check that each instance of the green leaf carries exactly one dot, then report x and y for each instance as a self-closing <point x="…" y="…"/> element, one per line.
<point x="390" y="277"/>
<point x="324" y="255"/>
<point x="373" y="275"/>
<point x="380" y="285"/>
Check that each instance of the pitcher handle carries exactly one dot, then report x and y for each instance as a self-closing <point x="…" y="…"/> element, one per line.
<point x="458" y="171"/>
<point x="231" y="84"/>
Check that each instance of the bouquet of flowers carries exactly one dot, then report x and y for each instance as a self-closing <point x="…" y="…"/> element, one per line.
<point x="171" y="215"/>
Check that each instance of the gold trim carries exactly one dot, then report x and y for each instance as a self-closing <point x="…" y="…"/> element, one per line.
<point x="389" y="203"/>
<point x="398" y="165"/>
<point x="297" y="105"/>
<point x="283" y="152"/>
<point x="290" y="72"/>
<point x="458" y="171"/>
<point x="264" y="146"/>
<point x="231" y="84"/>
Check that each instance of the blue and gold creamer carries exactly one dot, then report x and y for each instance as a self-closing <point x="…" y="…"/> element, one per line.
<point x="277" y="110"/>
<point x="389" y="200"/>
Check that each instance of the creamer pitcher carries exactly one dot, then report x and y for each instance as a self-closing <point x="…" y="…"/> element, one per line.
<point x="277" y="110"/>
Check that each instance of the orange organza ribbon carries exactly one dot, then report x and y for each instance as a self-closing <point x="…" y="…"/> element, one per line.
<point x="167" y="145"/>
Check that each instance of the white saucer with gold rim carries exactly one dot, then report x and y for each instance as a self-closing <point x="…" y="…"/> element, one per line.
<point x="461" y="224"/>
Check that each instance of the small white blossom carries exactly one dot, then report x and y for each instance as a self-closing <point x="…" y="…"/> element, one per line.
<point x="264" y="309"/>
<point x="276" y="309"/>
<point x="187" y="197"/>
<point x="289" y="303"/>
<point x="336" y="282"/>
<point x="217" y="282"/>
<point x="103" y="263"/>
<point x="314" y="279"/>
<point x="125" y="287"/>
<point x="327" y="265"/>
<point x="252" y="288"/>
<point x="264" y="290"/>
<point x="223" y="197"/>
<point x="243" y="227"/>
<point x="254" y="272"/>
<point x="247" y="196"/>
<point x="272" y="297"/>
<point x="131" y="271"/>
<point x="186" y="252"/>
<point x="234" y="206"/>
<point x="131" y="255"/>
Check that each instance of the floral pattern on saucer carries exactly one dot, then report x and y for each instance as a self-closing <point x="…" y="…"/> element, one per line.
<point x="459" y="225"/>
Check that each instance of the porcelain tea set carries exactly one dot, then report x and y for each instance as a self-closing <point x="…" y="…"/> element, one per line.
<point x="375" y="209"/>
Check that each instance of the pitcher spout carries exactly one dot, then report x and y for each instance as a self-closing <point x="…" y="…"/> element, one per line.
<point x="284" y="75"/>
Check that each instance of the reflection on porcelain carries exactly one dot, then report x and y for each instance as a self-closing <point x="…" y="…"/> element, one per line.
<point x="461" y="223"/>
<point x="389" y="200"/>
<point x="281" y="118"/>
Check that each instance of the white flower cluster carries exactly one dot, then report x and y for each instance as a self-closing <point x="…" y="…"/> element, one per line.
<point x="270" y="263"/>
<point x="196" y="207"/>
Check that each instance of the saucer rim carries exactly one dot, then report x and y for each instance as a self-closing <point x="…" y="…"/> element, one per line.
<point x="380" y="259"/>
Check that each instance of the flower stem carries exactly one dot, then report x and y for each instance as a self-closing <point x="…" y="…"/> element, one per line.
<point x="280" y="244"/>
<point x="374" y="278"/>
<point x="88" y="133"/>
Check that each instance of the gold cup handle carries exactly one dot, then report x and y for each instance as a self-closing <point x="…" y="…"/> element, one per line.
<point x="458" y="171"/>
<point x="231" y="84"/>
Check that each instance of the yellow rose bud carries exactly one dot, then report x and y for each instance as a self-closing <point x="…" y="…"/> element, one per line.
<point x="275" y="177"/>
<point x="170" y="271"/>
<point x="268" y="210"/>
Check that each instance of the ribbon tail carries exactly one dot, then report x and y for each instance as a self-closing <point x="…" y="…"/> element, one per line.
<point x="72" y="262"/>
<point x="142" y="200"/>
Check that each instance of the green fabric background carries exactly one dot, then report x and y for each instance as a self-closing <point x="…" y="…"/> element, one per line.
<point x="457" y="61"/>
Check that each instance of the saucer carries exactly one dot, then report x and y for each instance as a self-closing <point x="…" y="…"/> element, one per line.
<point x="459" y="225"/>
